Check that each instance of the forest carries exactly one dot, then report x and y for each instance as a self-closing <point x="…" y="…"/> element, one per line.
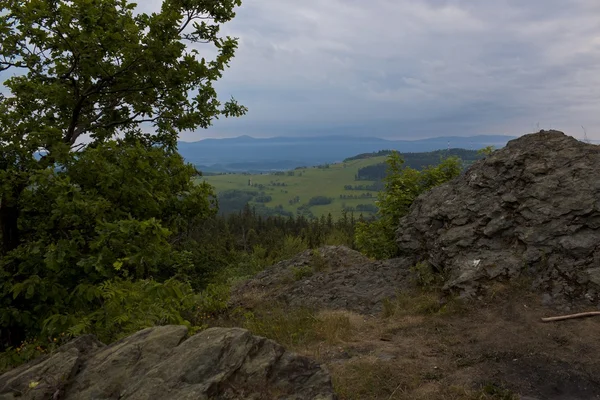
<point x="376" y="172"/>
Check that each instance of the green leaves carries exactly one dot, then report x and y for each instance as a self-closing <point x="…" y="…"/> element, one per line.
<point x="125" y="307"/>
<point x="402" y="186"/>
<point x="111" y="212"/>
<point x="100" y="70"/>
<point x="77" y="214"/>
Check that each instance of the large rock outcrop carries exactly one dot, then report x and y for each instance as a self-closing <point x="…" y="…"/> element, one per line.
<point x="333" y="277"/>
<point x="531" y="207"/>
<point x="160" y="363"/>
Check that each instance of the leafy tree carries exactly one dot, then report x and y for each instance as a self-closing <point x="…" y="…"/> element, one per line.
<point x="402" y="186"/>
<point x="319" y="200"/>
<point x="486" y="151"/>
<point x="91" y="187"/>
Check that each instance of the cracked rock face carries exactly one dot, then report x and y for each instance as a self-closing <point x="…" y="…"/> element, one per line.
<point x="160" y="363"/>
<point x="347" y="280"/>
<point x="532" y="208"/>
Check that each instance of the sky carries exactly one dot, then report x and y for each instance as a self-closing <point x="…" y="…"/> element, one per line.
<point x="411" y="69"/>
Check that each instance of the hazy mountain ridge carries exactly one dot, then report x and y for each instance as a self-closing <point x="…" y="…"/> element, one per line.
<point x="290" y="152"/>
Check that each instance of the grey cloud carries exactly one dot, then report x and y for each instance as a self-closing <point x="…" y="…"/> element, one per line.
<point x="497" y="66"/>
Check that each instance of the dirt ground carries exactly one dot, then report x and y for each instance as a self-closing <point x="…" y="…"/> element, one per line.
<point x="490" y="348"/>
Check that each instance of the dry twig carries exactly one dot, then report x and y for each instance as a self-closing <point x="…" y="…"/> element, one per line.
<point x="570" y="316"/>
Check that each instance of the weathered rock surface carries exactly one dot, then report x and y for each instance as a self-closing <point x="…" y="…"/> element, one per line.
<point x="160" y="363"/>
<point x="533" y="206"/>
<point x="346" y="280"/>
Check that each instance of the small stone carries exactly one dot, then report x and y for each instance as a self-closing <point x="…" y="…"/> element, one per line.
<point x="546" y="299"/>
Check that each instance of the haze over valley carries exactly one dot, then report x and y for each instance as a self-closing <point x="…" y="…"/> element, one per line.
<point x="280" y="153"/>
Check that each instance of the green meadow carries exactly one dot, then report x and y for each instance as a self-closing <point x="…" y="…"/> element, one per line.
<point x="304" y="184"/>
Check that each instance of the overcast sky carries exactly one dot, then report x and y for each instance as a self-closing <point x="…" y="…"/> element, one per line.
<point x="409" y="69"/>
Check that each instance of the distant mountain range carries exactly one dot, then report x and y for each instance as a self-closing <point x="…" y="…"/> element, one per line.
<point x="245" y="153"/>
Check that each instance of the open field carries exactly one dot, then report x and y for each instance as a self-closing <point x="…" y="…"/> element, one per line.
<point x="305" y="183"/>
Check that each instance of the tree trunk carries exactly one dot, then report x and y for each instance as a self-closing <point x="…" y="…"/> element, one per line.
<point x="9" y="214"/>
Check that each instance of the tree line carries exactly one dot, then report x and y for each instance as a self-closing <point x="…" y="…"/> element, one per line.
<point x="418" y="161"/>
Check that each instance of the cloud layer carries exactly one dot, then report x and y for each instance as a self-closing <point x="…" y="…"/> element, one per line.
<point x="415" y="68"/>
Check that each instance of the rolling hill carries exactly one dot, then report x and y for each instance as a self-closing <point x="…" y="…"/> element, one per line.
<point x="245" y="153"/>
<point x="290" y="192"/>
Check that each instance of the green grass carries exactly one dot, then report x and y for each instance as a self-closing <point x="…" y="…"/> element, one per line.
<point x="313" y="182"/>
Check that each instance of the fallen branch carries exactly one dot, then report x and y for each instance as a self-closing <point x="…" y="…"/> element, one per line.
<point x="570" y="316"/>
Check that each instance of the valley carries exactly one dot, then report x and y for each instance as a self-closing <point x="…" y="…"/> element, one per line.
<point x="320" y="190"/>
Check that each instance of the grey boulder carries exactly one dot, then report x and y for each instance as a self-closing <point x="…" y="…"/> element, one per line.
<point x="160" y="363"/>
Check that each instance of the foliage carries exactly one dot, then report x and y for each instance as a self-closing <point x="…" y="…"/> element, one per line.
<point x="425" y="276"/>
<point x="318" y="262"/>
<point x="302" y="272"/>
<point x="402" y="186"/>
<point x="292" y="245"/>
<point x="319" y="200"/>
<point x="234" y="200"/>
<point x="486" y="151"/>
<point x="213" y="300"/>
<point x="377" y="238"/>
<point x="77" y="226"/>
<point x="93" y="230"/>
<point x="27" y="351"/>
<point x="338" y="237"/>
<point x="419" y="161"/>
<point x="124" y="307"/>
<point x="362" y="156"/>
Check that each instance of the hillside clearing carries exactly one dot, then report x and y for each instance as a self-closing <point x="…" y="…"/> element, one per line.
<point x="305" y="183"/>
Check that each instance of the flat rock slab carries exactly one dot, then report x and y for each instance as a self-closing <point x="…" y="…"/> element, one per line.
<point x="160" y="363"/>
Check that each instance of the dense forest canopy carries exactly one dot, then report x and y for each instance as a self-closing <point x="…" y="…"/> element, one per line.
<point x="416" y="161"/>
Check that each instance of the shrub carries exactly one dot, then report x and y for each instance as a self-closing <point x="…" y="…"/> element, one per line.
<point x="319" y="201"/>
<point x="319" y="263"/>
<point x="425" y="276"/>
<point x="125" y="307"/>
<point x="292" y="246"/>
<point x="338" y="237"/>
<point x="300" y="273"/>
<point x="402" y="186"/>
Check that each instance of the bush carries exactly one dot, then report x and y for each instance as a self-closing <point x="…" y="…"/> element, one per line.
<point x="319" y="263"/>
<point x="338" y="237"/>
<point x="292" y="245"/>
<point x="376" y="239"/>
<point x="263" y="199"/>
<point x="402" y="186"/>
<point x="425" y="276"/>
<point x="77" y="229"/>
<point x="300" y="273"/>
<point x="125" y="307"/>
<point x="319" y="201"/>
